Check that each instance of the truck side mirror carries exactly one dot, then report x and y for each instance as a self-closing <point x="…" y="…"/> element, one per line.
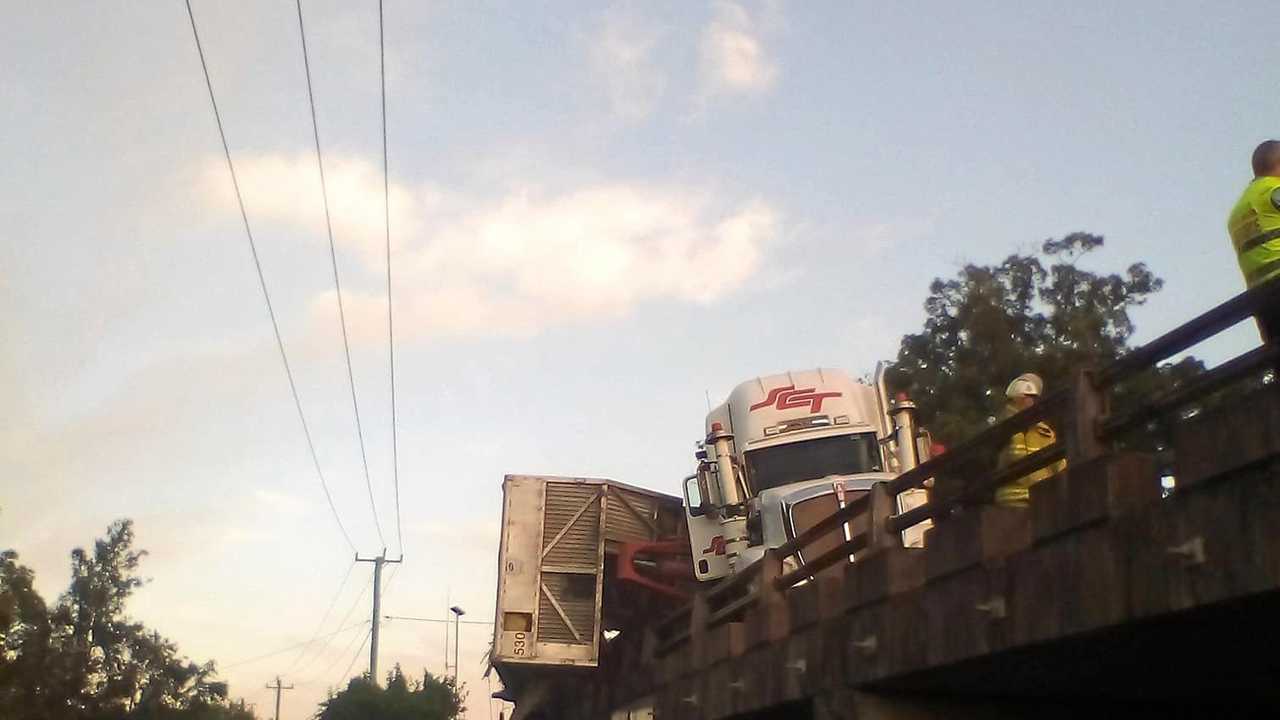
<point x="693" y="498"/>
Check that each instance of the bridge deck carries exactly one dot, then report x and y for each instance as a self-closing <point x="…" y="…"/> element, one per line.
<point x="1102" y="594"/>
<point x="1103" y="591"/>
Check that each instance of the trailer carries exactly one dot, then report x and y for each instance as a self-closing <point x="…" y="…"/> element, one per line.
<point x="580" y="560"/>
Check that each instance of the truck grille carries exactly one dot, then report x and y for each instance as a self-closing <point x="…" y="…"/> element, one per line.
<point x="807" y="513"/>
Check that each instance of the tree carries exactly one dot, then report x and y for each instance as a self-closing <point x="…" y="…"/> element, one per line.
<point x="1031" y="313"/>
<point x="428" y="699"/>
<point x="84" y="659"/>
<point x="26" y="665"/>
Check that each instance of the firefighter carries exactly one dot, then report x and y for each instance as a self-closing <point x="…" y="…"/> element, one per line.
<point x="1254" y="226"/>
<point x="1021" y="394"/>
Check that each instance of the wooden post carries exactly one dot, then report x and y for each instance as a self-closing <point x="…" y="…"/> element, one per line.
<point x="880" y="508"/>
<point x="772" y="612"/>
<point x="770" y="571"/>
<point x="1088" y="406"/>
<point x="698" y="630"/>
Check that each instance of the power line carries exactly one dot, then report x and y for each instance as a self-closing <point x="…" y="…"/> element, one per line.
<point x="391" y="334"/>
<point x="347" y="673"/>
<point x="358" y="599"/>
<point x="281" y="651"/>
<point x="311" y="679"/>
<point x="386" y="586"/>
<point x="337" y="284"/>
<point x="435" y="620"/>
<point x="344" y="619"/>
<point x="262" y="281"/>
<point x="334" y="601"/>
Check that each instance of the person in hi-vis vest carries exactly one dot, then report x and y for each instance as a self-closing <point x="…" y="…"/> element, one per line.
<point x="1254" y="225"/>
<point x="1022" y="393"/>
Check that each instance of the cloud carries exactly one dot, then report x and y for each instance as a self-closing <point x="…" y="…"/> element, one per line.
<point x="279" y="502"/>
<point x="734" y="58"/>
<point x="524" y="261"/>
<point x="286" y="189"/>
<point x="882" y="237"/>
<point x="621" y="55"/>
<point x="531" y="261"/>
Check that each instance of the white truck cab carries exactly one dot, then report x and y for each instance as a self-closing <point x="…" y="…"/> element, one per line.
<point x="784" y="451"/>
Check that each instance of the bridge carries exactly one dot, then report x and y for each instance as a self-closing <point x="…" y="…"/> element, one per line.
<point x="1108" y="594"/>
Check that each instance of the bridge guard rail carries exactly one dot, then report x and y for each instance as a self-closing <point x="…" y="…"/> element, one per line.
<point x="970" y="472"/>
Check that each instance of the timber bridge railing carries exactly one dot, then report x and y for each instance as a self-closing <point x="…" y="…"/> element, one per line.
<point x="773" y="599"/>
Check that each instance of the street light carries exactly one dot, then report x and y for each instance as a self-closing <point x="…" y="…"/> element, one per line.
<point x="457" y="622"/>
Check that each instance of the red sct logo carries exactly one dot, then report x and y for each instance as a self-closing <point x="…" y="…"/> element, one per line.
<point x="788" y="398"/>
<point x="717" y="546"/>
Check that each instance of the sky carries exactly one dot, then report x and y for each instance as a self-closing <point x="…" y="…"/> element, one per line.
<point x="601" y="214"/>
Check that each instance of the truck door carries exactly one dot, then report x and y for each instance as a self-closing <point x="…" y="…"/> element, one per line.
<point x="706" y="535"/>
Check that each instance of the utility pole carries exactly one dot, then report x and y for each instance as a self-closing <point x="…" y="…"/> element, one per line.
<point x="278" y="688"/>
<point x="378" y="562"/>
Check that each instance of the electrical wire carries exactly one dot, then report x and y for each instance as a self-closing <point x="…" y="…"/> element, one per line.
<point x="435" y="620"/>
<point x="337" y="284"/>
<point x="354" y="605"/>
<point x="281" y="651"/>
<point x="262" y="282"/>
<point x="347" y="673"/>
<point x="311" y="679"/>
<point x="332" y="602"/>
<point x="386" y="586"/>
<point x="391" y="334"/>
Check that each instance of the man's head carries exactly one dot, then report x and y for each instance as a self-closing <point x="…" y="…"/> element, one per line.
<point x="1266" y="159"/>
<point x="1024" y="390"/>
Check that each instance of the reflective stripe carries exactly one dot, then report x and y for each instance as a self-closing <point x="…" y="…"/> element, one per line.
<point x="1254" y="225"/>
<point x="1021" y="444"/>
<point x="1262" y="271"/>
<point x="1013" y="496"/>
<point x="1257" y="240"/>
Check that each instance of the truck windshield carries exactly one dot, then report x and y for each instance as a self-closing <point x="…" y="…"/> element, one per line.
<point x="812" y="459"/>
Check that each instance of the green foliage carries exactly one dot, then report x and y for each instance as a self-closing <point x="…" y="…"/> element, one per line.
<point x="1036" y="313"/>
<point x="428" y="699"/>
<point x="84" y="659"/>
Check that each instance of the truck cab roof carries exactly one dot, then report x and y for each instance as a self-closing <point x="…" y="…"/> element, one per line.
<point x="773" y="409"/>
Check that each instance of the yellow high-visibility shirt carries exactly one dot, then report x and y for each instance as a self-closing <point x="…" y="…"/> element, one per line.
<point x="1022" y="444"/>
<point x="1254" y="225"/>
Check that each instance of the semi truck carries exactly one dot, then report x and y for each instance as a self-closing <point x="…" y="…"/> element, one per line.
<point x="584" y="562"/>
<point x="784" y="451"/>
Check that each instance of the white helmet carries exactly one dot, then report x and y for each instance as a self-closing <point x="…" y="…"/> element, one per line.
<point x="1024" y="384"/>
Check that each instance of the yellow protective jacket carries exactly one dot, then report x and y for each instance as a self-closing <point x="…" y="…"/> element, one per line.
<point x="1022" y="444"/>
<point x="1254" y="225"/>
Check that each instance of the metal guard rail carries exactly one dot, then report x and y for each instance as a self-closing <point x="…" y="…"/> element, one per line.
<point x="1202" y="327"/>
<point x="978" y="450"/>
<point x="1088" y="425"/>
